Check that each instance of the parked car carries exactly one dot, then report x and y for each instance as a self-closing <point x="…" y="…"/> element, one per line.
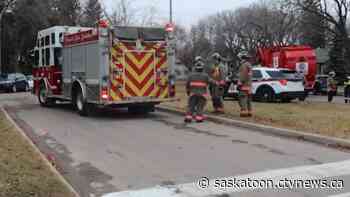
<point x="13" y="82"/>
<point x="269" y="85"/>
<point x="30" y="81"/>
<point x="320" y="84"/>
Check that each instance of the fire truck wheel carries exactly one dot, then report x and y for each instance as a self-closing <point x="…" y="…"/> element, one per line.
<point x="43" y="99"/>
<point x="81" y="105"/>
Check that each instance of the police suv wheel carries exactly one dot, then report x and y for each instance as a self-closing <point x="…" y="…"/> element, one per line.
<point x="266" y="95"/>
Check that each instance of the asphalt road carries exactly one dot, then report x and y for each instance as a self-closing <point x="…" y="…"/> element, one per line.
<point x="115" y="151"/>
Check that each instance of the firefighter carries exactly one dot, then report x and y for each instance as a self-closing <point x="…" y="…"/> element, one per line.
<point x="347" y="90"/>
<point x="331" y="86"/>
<point x="197" y="87"/>
<point x="217" y="75"/>
<point x="245" y="85"/>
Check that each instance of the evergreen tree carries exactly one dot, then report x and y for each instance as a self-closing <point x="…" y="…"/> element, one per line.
<point x="312" y="26"/>
<point x="67" y="12"/>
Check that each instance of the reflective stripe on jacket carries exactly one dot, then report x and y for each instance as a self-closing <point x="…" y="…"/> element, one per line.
<point x="197" y="83"/>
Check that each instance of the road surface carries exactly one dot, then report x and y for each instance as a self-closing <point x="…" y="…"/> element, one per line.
<point x="114" y="151"/>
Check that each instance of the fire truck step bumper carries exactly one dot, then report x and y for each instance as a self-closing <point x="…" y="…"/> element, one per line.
<point x="126" y="103"/>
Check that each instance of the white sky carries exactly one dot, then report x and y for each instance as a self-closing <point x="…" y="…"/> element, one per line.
<point x="186" y="12"/>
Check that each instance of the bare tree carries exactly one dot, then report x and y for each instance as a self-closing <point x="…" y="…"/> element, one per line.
<point x="124" y="13"/>
<point x="92" y="13"/>
<point x="5" y="5"/>
<point x="260" y="25"/>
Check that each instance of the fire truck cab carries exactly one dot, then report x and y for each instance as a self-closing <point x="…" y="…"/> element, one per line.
<point x="48" y="58"/>
<point x="102" y="67"/>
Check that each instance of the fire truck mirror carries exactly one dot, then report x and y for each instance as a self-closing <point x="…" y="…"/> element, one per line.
<point x="105" y="78"/>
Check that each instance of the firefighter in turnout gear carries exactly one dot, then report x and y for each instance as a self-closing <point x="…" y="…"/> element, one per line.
<point x="331" y="86"/>
<point x="217" y="75"/>
<point x="347" y="90"/>
<point x="245" y="85"/>
<point x="197" y="87"/>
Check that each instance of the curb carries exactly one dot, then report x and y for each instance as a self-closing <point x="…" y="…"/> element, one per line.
<point x="42" y="156"/>
<point x="318" y="139"/>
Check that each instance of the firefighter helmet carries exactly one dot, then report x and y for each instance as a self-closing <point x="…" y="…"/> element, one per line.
<point x="198" y="59"/>
<point x="243" y="55"/>
<point x="332" y="74"/>
<point x="199" y="66"/>
<point x="216" y="56"/>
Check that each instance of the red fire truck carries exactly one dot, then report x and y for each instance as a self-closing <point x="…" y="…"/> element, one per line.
<point x="301" y="59"/>
<point x="103" y="67"/>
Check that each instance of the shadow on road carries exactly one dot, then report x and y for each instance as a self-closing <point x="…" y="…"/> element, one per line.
<point x="105" y="113"/>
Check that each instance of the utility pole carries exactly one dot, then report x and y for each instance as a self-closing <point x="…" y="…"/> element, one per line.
<point x="6" y="9"/>
<point x="171" y="12"/>
<point x="172" y="45"/>
<point x="1" y="16"/>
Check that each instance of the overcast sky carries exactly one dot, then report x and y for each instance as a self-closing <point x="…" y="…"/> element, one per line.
<point x="186" y="12"/>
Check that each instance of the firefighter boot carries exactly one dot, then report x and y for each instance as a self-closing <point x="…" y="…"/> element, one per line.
<point x="244" y="114"/>
<point x="250" y="114"/>
<point x="199" y="119"/>
<point x="188" y="118"/>
<point x="220" y="110"/>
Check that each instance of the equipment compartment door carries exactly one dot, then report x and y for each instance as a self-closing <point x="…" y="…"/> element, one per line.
<point x="139" y="74"/>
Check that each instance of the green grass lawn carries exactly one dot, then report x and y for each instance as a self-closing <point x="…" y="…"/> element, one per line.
<point x="22" y="172"/>
<point x="321" y="118"/>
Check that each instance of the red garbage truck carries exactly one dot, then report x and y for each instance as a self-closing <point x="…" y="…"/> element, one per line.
<point x="298" y="58"/>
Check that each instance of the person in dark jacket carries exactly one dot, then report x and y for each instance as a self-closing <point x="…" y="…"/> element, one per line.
<point x="332" y="86"/>
<point x="197" y="87"/>
<point x="347" y="90"/>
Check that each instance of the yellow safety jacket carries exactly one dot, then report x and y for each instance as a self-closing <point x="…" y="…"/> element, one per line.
<point x="347" y="83"/>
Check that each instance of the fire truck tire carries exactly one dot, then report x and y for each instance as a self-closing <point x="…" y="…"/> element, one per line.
<point x="83" y="108"/>
<point x="266" y="94"/>
<point x="43" y="98"/>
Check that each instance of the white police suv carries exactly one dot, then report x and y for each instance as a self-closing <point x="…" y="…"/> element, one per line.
<point x="271" y="84"/>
